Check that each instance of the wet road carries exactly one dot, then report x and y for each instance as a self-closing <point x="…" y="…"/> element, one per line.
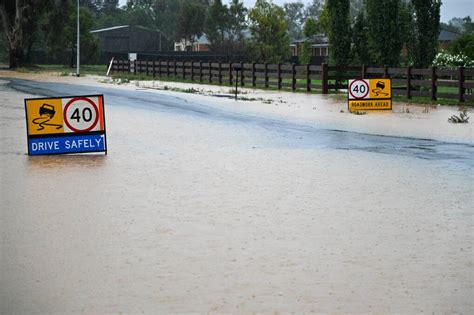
<point x="200" y="209"/>
<point x="294" y="134"/>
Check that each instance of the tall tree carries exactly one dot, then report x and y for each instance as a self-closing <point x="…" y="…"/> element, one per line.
<point x="295" y="16"/>
<point x="384" y="30"/>
<point x="237" y="20"/>
<point x="339" y="32"/>
<point x="60" y="33"/>
<point x="360" y="54"/>
<point x="269" y="30"/>
<point x="426" y="31"/>
<point x="310" y="29"/>
<point x="217" y="25"/>
<point x="313" y="9"/>
<point x="18" y="21"/>
<point x="191" y="20"/>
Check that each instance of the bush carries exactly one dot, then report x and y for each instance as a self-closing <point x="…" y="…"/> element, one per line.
<point x="445" y="59"/>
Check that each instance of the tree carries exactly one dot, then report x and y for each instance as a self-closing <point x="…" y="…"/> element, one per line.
<point x="61" y="33"/>
<point x="18" y="21"/>
<point x="310" y="29"/>
<point x="384" y="35"/>
<point x="191" y="21"/>
<point x="360" y="54"/>
<point x="269" y="30"/>
<point x="339" y="32"/>
<point x="468" y="25"/>
<point x="295" y="16"/>
<point x="237" y="20"/>
<point x="217" y="25"/>
<point x="313" y="9"/>
<point x="426" y="29"/>
<point x="463" y="45"/>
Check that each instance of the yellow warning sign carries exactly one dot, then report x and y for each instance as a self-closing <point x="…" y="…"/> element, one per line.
<point x="45" y="116"/>
<point x="355" y="105"/>
<point x="380" y="88"/>
<point x="368" y="94"/>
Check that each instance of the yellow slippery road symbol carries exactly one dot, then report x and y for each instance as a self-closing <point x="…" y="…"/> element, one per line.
<point x="380" y="88"/>
<point x="45" y="116"/>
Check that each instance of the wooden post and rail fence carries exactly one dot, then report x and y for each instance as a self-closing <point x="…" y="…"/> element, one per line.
<point x="433" y="83"/>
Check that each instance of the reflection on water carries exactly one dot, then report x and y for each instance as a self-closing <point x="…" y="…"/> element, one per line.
<point x="58" y="162"/>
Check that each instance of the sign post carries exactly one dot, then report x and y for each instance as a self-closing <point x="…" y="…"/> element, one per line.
<point x="369" y="94"/>
<point x="63" y="125"/>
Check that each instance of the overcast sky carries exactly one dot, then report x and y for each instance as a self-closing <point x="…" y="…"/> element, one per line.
<point x="449" y="9"/>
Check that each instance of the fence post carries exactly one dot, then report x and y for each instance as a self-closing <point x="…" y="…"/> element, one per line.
<point x="146" y="67"/>
<point x="364" y="71"/>
<point x="461" y="84"/>
<point x="409" y="82"/>
<point x="266" y="75"/>
<point x="220" y="72"/>
<point x="154" y="68"/>
<point x="434" y="88"/>
<point x="254" y="79"/>
<point x="210" y="71"/>
<point x="325" y="78"/>
<point x="230" y="73"/>
<point x="385" y="71"/>
<point x="184" y="69"/>
<point x="200" y="71"/>
<point x="175" y="69"/>
<point x="279" y="76"/>
<point x="293" y="77"/>
<point x="167" y="68"/>
<point x="308" y="78"/>
<point x="192" y="70"/>
<point x="242" y="77"/>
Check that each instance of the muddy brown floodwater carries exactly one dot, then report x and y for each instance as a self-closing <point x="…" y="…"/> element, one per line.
<point x="190" y="214"/>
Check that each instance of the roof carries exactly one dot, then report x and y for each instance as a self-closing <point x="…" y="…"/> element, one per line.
<point x="447" y="36"/>
<point x="110" y="28"/>
<point x="121" y="27"/>
<point x="315" y="39"/>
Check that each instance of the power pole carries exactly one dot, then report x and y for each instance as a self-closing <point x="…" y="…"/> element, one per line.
<point x="78" y="48"/>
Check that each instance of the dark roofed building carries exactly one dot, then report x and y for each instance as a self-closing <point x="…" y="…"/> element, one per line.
<point x="446" y="37"/>
<point x="126" y="38"/>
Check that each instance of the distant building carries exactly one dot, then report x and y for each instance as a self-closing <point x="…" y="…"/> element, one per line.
<point x="126" y="38"/>
<point x="319" y="49"/>
<point x="446" y="37"/>
<point x="201" y="44"/>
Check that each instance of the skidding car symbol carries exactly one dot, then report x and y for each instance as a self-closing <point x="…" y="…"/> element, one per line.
<point x="47" y="110"/>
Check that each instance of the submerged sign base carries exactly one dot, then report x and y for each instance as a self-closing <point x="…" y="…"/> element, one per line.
<point x="65" y="125"/>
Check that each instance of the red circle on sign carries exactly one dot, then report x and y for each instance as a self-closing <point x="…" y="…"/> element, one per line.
<point x="81" y="99"/>
<point x="350" y="89"/>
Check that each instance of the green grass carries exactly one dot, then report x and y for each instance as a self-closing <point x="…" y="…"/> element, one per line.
<point x="65" y="70"/>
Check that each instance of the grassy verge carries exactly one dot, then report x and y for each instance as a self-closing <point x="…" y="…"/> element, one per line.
<point x="65" y="70"/>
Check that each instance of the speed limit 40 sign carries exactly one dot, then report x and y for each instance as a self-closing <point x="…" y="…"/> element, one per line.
<point x="64" y="125"/>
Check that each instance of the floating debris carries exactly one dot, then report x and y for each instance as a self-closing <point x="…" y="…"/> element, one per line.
<point x="461" y="119"/>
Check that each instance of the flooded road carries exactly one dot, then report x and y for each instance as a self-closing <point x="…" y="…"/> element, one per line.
<point x="201" y="209"/>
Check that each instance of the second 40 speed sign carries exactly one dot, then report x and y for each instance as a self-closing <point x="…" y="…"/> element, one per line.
<point x="368" y="94"/>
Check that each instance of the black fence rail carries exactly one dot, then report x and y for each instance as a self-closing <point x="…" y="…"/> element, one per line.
<point x="433" y="83"/>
